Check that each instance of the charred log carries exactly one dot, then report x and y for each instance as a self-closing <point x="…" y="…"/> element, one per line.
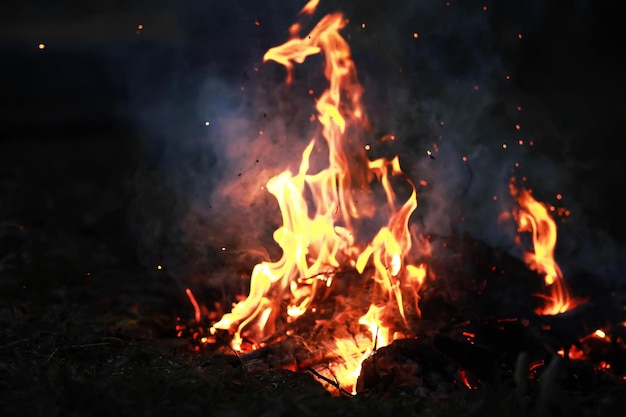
<point x="411" y="366"/>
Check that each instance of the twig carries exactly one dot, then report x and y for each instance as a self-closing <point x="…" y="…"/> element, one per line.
<point x="329" y="274"/>
<point x="52" y="354"/>
<point x="88" y="345"/>
<point x="322" y="276"/>
<point x="330" y="381"/>
<point x="375" y="349"/>
<point x="17" y="342"/>
<point x="243" y="364"/>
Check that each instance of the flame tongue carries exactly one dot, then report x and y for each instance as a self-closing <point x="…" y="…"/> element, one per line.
<point x="335" y="113"/>
<point x="327" y="240"/>
<point x="533" y="217"/>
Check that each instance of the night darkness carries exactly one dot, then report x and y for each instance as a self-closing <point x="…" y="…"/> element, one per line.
<point x="136" y="138"/>
<point x="106" y="153"/>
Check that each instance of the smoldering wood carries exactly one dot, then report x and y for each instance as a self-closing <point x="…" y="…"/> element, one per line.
<point x="410" y="366"/>
<point x="289" y="353"/>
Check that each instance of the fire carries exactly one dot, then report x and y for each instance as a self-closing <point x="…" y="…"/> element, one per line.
<point x="533" y="217"/>
<point x="318" y="243"/>
<point x="327" y="214"/>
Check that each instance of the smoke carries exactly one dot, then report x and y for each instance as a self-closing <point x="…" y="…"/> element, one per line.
<point x="218" y="123"/>
<point x="492" y="94"/>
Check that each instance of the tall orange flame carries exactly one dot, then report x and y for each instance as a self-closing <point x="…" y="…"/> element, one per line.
<point x="314" y="245"/>
<point x="533" y="216"/>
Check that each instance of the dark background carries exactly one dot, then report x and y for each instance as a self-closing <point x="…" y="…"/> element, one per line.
<point x="106" y="161"/>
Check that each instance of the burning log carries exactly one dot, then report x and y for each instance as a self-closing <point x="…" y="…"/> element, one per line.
<point x="474" y="281"/>
<point x="478" y="361"/>
<point x="570" y="327"/>
<point x="477" y="334"/>
<point x="413" y="367"/>
<point x="291" y="353"/>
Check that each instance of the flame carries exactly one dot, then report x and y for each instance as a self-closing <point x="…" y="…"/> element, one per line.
<point x="591" y="347"/>
<point x="533" y="216"/>
<point x="196" y="306"/>
<point x="317" y="243"/>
